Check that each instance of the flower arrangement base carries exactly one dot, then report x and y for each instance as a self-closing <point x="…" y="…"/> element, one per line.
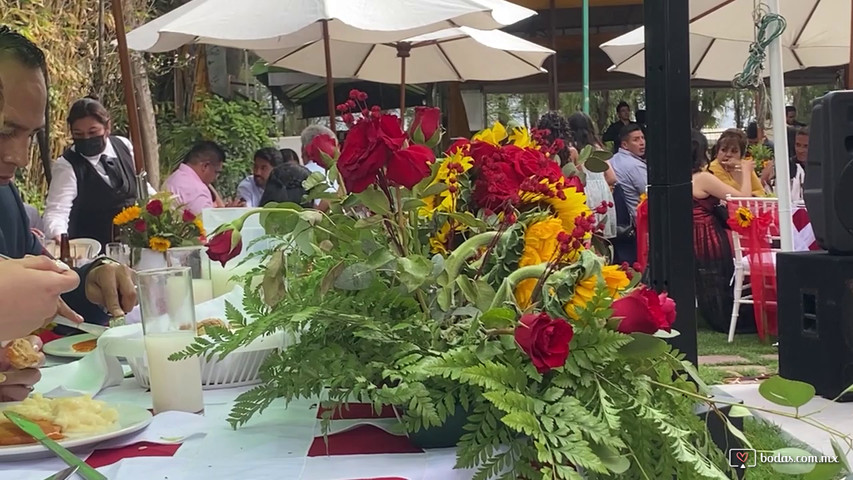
<point x="193" y="257"/>
<point x="445" y="436"/>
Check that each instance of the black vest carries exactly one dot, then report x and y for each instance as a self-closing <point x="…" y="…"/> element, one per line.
<point x="97" y="202"/>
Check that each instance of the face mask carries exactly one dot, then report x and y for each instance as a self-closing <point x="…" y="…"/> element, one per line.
<point x="90" y="147"/>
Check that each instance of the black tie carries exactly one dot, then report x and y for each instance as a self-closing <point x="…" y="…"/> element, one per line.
<point x="111" y="169"/>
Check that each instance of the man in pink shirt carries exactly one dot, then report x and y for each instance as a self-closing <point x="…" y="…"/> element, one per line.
<point x="191" y="182"/>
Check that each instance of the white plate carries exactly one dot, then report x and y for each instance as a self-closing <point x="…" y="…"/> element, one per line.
<point x="131" y="418"/>
<point x="61" y="347"/>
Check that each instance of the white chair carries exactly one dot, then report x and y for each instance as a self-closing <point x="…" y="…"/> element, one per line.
<point x="757" y="206"/>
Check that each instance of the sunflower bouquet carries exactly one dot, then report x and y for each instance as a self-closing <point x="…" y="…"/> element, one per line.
<point x="463" y="290"/>
<point x="159" y="224"/>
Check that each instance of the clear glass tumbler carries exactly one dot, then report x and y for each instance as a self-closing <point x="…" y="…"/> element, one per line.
<point x="169" y="326"/>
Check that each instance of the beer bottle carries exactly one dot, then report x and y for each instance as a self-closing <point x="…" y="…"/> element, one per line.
<point x="65" y="251"/>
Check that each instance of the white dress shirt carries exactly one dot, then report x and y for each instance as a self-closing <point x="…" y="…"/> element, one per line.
<point x="63" y="189"/>
<point x="249" y="191"/>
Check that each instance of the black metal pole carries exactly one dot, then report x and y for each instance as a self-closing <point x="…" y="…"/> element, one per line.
<point x="668" y="153"/>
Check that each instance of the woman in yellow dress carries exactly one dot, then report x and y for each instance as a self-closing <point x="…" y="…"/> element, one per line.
<point x="731" y="148"/>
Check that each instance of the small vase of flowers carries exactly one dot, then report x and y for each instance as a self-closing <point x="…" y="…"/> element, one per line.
<point x="162" y="234"/>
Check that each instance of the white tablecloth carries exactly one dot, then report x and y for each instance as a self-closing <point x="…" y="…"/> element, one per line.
<point x="272" y="446"/>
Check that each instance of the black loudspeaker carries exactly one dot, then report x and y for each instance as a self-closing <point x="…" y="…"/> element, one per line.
<point x="828" y="189"/>
<point x="815" y="317"/>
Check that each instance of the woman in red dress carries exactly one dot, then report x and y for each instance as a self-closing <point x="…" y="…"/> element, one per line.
<point x="711" y="247"/>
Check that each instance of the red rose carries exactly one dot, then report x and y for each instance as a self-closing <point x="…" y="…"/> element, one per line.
<point x="225" y="246"/>
<point x="426" y="126"/>
<point x="411" y="165"/>
<point x="544" y="339"/>
<point x="369" y="146"/>
<point x="529" y="163"/>
<point x="188" y="216"/>
<point x="644" y="311"/>
<point x="496" y="186"/>
<point x="323" y="150"/>
<point x="155" y="207"/>
<point x="140" y="226"/>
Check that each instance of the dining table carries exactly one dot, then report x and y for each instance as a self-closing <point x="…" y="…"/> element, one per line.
<point x="286" y="441"/>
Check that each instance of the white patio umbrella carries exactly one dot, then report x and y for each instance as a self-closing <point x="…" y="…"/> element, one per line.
<point x="272" y="24"/>
<point x="721" y="31"/>
<point x="456" y="54"/>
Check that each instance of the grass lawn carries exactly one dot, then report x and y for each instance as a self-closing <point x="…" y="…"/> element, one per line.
<point x="747" y="346"/>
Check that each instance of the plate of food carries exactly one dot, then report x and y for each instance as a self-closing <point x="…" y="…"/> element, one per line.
<point x="76" y="423"/>
<point x="75" y="346"/>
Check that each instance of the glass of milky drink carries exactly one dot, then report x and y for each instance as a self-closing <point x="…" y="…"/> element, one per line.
<point x="168" y="323"/>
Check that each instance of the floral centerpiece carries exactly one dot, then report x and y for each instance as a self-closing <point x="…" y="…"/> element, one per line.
<point x="159" y="224"/>
<point x="464" y="288"/>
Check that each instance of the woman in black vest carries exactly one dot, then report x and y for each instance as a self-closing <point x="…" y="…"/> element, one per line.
<point x="93" y="180"/>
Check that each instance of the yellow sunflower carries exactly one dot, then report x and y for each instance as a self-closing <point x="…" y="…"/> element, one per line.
<point x="198" y="224"/>
<point x="494" y="135"/>
<point x="540" y="246"/>
<point x="444" y="201"/>
<point x="438" y="242"/>
<point x="127" y="215"/>
<point x="521" y="138"/>
<point x="743" y="217"/>
<point x="159" y="244"/>
<point x="614" y="278"/>
<point x="567" y="210"/>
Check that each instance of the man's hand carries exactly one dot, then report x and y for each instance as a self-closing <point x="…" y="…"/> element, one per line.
<point x="236" y="203"/>
<point x="110" y="285"/>
<point x="16" y="385"/>
<point x="31" y="288"/>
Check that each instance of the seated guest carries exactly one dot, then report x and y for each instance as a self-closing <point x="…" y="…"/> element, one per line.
<point x="631" y="182"/>
<point x="251" y="189"/>
<point x="731" y="148"/>
<point x="629" y="167"/>
<point x="105" y="287"/>
<point x="191" y="182"/>
<point x="289" y="155"/>
<point x="796" y="165"/>
<point x="308" y="135"/>
<point x="713" y="253"/>
<point x="285" y="185"/>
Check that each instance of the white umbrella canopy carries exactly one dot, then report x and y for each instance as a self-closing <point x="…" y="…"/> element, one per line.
<point x="271" y="24"/>
<point x="721" y="31"/>
<point x="456" y="54"/>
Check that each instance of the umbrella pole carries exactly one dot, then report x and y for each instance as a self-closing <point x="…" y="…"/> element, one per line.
<point x="780" y="137"/>
<point x="130" y="101"/>
<point x="404" y="50"/>
<point x="330" y="82"/>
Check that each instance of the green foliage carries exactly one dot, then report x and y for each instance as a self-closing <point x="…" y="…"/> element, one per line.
<point x="239" y="126"/>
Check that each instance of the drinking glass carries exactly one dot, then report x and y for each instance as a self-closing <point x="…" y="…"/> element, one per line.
<point x="169" y="326"/>
<point x="119" y="252"/>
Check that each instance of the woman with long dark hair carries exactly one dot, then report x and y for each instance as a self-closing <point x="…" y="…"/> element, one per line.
<point x="597" y="187"/>
<point x="711" y="247"/>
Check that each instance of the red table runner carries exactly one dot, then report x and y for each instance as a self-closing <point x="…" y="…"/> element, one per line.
<point x="363" y="439"/>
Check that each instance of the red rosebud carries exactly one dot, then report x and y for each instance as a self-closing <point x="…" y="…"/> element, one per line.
<point x="462" y="144"/>
<point x="188" y="216"/>
<point x="323" y="150"/>
<point x="140" y="226"/>
<point x="411" y="165"/>
<point x="155" y="207"/>
<point x="362" y="97"/>
<point x="353" y="94"/>
<point x="223" y="247"/>
<point x="351" y="103"/>
<point x="375" y="109"/>
<point x="342" y="107"/>
<point x="348" y="118"/>
<point x="645" y="311"/>
<point x="426" y="126"/>
<point x="544" y="339"/>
